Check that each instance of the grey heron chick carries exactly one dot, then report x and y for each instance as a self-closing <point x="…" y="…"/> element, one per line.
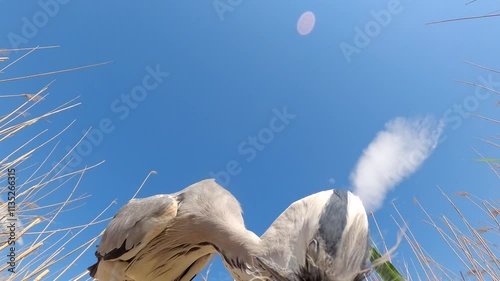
<point x="172" y="237"/>
<point x="322" y="237"/>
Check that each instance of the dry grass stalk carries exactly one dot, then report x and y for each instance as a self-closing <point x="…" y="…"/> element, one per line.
<point x="47" y="252"/>
<point x="473" y="250"/>
<point x="479" y="86"/>
<point x="465" y="18"/>
<point x="54" y="72"/>
<point x="483" y="67"/>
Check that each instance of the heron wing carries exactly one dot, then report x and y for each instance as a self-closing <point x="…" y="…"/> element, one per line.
<point x="135" y="225"/>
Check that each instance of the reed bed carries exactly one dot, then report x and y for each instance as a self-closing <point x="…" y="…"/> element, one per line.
<point x="40" y="193"/>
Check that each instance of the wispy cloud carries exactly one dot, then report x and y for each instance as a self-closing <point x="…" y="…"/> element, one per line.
<point x="395" y="154"/>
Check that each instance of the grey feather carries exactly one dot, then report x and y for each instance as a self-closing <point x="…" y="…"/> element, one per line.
<point x="135" y="225"/>
<point x="333" y="221"/>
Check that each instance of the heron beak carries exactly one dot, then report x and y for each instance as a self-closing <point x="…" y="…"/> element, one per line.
<point x="276" y="272"/>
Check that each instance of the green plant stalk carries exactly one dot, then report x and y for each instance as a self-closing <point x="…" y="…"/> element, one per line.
<point x="386" y="271"/>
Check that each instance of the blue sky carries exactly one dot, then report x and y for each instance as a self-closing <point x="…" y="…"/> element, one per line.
<point x="217" y="79"/>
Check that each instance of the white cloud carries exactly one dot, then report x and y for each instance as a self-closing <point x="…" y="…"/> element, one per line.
<point x="395" y="154"/>
<point x="331" y="181"/>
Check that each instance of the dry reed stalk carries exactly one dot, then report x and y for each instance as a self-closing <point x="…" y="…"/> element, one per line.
<point x="48" y="252"/>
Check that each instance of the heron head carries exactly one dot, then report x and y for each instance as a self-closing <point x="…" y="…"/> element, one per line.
<point x="337" y="251"/>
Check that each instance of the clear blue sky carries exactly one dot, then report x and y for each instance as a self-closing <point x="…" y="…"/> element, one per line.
<point x="227" y="73"/>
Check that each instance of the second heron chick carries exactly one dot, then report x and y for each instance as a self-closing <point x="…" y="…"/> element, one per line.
<point x="173" y="237"/>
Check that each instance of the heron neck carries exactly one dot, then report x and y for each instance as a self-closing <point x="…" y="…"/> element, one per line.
<point x="238" y="248"/>
<point x="238" y="242"/>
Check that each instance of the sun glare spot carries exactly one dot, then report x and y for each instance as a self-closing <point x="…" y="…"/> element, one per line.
<point x="305" y="24"/>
